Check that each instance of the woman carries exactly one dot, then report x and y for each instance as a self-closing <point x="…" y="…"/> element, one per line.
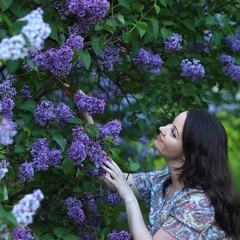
<point x="193" y="198"/>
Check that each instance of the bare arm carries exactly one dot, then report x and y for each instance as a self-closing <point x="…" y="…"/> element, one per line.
<point x="136" y="222"/>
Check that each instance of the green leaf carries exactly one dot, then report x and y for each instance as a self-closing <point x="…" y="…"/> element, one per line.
<point x="142" y="124"/>
<point x="61" y="232"/>
<point x="157" y="8"/>
<point x="121" y="19"/>
<point x="17" y="26"/>
<point x="70" y="237"/>
<point x="218" y="36"/>
<point x="67" y="166"/>
<point x="26" y="117"/>
<point x="86" y="58"/>
<point x="134" y="166"/>
<point x="5" y="4"/>
<point x="155" y="27"/>
<point x="210" y="20"/>
<point x="47" y="236"/>
<point x="189" y="23"/>
<point x="98" y="44"/>
<point x="60" y="140"/>
<point x="12" y="65"/>
<point x="20" y="149"/>
<point x="3" y="192"/>
<point x="124" y="3"/>
<point x="136" y="144"/>
<point x="28" y="105"/>
<point x="76" y="121"/>
<point x="165" y="33"/>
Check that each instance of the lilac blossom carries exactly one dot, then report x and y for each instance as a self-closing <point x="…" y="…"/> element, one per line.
<point x="230" y="68"/>
<point x="113" y="198"/>
<point x="7" y="90"/>
<point x="97" y="155"/>
<point x="89" y="104"/>
<point x="107" y="58"/>
<point x="7" y="105"/>
<point x="119" y="235"/>
<point x="234" y="43"/>
<point x="87" y="199"/>
<point x="27" y="207"/>
<point x="193" y="70"/>
<point x="36" y="31"/>
<point x="3" y="168"/>
<point x="58" y="62"/>
<point x="227" y="59"/>
<point x="75" y="42"/>
<point x="146" y="58"/>
<point x="26" y="171"/>
<point x="44" y="113"/>
<point x="77" y="152"/>
<point x="85" y="12"/>
<point x="75" y="212"/>
<point x="93" y="221"/>
<point x="7" y="132"/>
<point x="40" y="154"/>
<point x="22" y="233"/>
<point x="26" y="92"/>
<point x="63" y="113"/>
<point x="173" y="42"/>
<point x="55" y="157"/>
<point x="111" y="129"/>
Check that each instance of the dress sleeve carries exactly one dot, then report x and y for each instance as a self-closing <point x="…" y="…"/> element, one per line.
<point x="146" y="183"/>
<point x="189" y="216"/>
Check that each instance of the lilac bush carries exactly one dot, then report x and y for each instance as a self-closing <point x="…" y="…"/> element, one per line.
<point x="126" y="59"/>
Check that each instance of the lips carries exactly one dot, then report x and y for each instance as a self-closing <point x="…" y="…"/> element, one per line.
<point x="159" y="138"/>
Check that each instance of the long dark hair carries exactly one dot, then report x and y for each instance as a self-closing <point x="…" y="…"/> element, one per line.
<point x="206" y="167"/>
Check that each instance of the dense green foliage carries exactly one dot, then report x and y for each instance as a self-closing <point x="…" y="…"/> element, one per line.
<point x="141" y="99"/>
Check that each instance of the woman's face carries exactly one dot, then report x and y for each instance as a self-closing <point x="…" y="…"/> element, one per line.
<point x="169" y="141"/>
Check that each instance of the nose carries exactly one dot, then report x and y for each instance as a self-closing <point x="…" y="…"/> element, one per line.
<point x="162" y="130"/>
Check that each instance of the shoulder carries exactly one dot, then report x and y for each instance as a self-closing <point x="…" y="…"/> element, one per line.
<point x="151" y="177"/>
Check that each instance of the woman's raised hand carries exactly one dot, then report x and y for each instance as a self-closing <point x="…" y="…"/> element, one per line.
<point x="116" y="177"/>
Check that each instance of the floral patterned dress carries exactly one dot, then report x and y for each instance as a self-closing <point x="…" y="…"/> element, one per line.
<point x="188" y="214"/>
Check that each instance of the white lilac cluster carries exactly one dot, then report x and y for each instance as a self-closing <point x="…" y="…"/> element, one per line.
<point x="27" y="207"/>
<point x="7" y="132"/>
<point x="35" y="31"/>
<point x="3" y="168"/>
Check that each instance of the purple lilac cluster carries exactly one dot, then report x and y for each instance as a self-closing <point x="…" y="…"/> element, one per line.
<point x="74" y="210"/>
<point x="82" y="146"/>
<point x="113" y="198"/>
<point x="234" y="43"/>
<point x="57" y="61"/>
<point x="43" y="157"/>
<point x="26" y="92"/>
<point x="230" y="68"/>
<point x="27" y="207"/>
<point x="193" y="70"/>
<point x="146" y="58"/>
<point x="123" y="235"/>
<point x="63" y="113"/>
<point x="45" y="112"/>
<point x="3" y="168"/>
<point x="111" y="129"/>
<point x="75" y="42"/>
<point x="22" y="233"/>
<point x="89" y="104"/>
<point x="7" y="90"/>
<point x="85" y="12"/>
<point x="173" y="42"/>
<point x="36" y="31"/>
<point x="107" y="58"/>
<point x="7" y="126"/>
<point x="79" y="148"/>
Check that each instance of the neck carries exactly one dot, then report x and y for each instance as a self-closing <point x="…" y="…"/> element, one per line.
<point x="176" y="184"/>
